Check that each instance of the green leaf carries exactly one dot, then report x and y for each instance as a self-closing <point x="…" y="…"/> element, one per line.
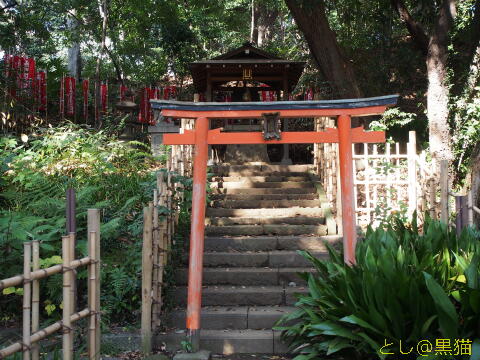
<point x="9" y="290"/>
<point x="337" y="344"/>
<point x="448" y="317"/>
<point x="352" y="319"/>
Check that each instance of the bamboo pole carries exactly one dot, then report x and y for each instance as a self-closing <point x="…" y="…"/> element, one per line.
<point x="156" y="263"/>
<point x="73" y="276"/>
<point x="35" y="275"/>
<point x="27" y="297"/>
<point x="93" y="352"/>
<point x="35" y="298"/>
<point x="93" y="224"/>
<point x="146" y="326"/>
<point x="42" y="334"/>
<point x="444" y="191"/>
<point x="67" y="284"/>
<point x="470" y="208"/>
<point x="412" y="172"/>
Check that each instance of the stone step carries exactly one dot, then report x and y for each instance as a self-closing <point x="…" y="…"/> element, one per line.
<point x="242" y="295"/>
<point x="274" y="258"/>
<point x="239" y="318"/>
<point x="251" y="204"/>
<point x="269" y="243"/>
<point x="296" y="220"/>
<point x="227" y="342"/>
<point x="269" y="212"/>
<point x="266" y="169"/>
<point x="258" y="197"/>
<point x="270" y="185"/>
<point x="249" y="179"/>
<point x="266" y="229"/>
<point x="246" y="276"/>
<point x="259" y="191"/>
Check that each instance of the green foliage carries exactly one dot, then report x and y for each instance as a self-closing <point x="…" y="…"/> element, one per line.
<point x="115" y="176"/>
<point x="405" y="286"/>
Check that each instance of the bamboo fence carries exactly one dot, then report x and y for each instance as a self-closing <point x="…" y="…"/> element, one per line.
<point x="32" y="335"/>
<point x="160" y="222"/>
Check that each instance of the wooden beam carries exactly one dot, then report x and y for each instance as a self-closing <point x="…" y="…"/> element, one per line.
<point x="330" y="135"/>
<point x="293" y="113"/>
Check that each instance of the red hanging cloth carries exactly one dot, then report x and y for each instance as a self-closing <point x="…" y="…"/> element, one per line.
<point x="123" y="90"/>
<point x="41" y="90"/>
<point x="85" y="88"/>
<point x="103" y="96"/>
<point x="70" y="87"/>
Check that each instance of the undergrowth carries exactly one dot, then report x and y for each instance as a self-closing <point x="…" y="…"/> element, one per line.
<point x="114" y="176"/>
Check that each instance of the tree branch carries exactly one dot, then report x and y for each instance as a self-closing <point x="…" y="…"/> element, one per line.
<point x="414" y="28"/>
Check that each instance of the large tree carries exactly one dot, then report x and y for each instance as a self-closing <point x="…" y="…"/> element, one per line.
<point x="434" y="46"/>
<point x="312" y="20"/>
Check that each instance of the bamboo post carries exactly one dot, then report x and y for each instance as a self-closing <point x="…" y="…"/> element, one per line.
<point x="35" y="298"/>
<point x="73" y="287"/>
<point x="155" y="300"/>
<point x="412" y="172"/>
<point x="146" y="330"/>
<point x="433" y="198"/>
<point x="444" y="191"/>
<point x="470" y="208"/>
<point x="67" y="284"/>
<point x="93" y="351"/>
<point x="93" y="224"/>
<point x="27" y="297"/>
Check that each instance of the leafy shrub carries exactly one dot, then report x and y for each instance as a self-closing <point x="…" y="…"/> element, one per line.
<point x="106" y="173"/>
<point x="406" y="286"/>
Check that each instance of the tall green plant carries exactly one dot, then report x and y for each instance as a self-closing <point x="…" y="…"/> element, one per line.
<point x="406" y="287"/>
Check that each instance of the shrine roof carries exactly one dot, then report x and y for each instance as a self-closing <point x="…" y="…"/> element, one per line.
<point x="380" y="101"/>
<point x="266" y="67"/>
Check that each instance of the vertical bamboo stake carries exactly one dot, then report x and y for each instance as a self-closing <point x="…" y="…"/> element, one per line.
<point x="67" y="284"/>
<point x="433" y="198"/>
<point x="156" y="300"/>
<point x="92" y="290"/>
<point x="388" y="175"/>
<point x="146" y="330"/>
<point x="27" y="297"/>
<point x="93" y="224"/>
<point x="412" y="172"/>
<point x="444" y="191"/>
<point x="73" y="285"/>
<point x="470" y="207"/>
<point x="35" y="298"/>
<point x="367" y="182"/>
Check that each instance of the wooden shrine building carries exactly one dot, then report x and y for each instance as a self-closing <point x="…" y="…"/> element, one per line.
<point x="246" y="67"/>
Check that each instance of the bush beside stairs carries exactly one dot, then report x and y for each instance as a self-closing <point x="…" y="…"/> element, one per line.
<point x="258" y="217"/>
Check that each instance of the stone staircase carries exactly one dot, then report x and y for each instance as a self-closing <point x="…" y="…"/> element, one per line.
<point x="259" y="216"/>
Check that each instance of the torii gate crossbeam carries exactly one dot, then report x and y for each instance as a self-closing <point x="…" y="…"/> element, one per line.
<point x="201" y="137"/>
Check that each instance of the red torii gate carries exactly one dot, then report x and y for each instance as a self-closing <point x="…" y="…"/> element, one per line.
<point x="201" y="137"/>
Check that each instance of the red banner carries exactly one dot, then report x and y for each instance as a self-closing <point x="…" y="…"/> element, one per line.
<point x="70" y="87"/>
<point x="103" y="96"/>
<point x="85" y="86"/>
<point x="41" y="90"/>
<point x="169" y="92"/>
<point x="31" y="68"/>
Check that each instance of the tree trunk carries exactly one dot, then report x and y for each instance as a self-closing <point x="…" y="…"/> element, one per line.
<point x="74" y="57"/>
<point x="311" y="19"/>
<point x="102" y="8"/>
<point x="437" y="102"/>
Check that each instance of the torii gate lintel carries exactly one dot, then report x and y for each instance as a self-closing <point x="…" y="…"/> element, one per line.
<point x="201" y="137"/>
